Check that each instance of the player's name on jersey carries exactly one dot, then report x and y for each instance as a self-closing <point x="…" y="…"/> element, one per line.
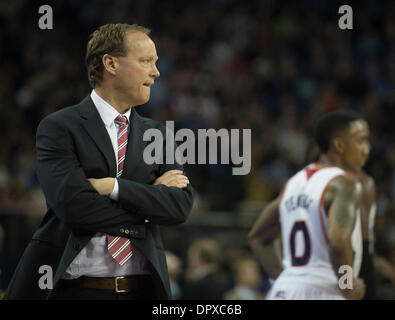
<point x="299" y="201"/>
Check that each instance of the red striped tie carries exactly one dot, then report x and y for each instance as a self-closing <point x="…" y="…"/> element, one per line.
<point x="120" y="248"/>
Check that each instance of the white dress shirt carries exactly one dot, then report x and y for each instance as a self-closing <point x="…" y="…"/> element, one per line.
<point x="94" y="259"/>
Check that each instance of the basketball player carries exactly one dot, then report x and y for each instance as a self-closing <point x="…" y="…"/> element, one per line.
<point x="316" y="214"/>
<point x="363" y="234"/>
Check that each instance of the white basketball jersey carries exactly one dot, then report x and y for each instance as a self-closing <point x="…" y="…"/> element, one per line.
<point x="304" y="226"/>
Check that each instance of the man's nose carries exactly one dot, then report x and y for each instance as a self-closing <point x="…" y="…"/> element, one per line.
<point x="366" y="149"/>
<point x="155" y="72"/>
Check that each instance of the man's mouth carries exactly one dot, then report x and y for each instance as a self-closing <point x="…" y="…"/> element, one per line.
<point x="148" y="84"/>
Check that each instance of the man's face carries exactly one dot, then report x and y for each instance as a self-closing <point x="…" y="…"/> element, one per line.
<point x="137" y="71"/>
<point x="356" y="145"/>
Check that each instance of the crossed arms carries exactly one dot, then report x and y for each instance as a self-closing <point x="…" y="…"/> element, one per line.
<point x="84" y="204"/>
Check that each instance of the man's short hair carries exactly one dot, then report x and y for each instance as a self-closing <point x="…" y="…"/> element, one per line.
<point x="110" y="39"/>
<point x="330" y="125"/>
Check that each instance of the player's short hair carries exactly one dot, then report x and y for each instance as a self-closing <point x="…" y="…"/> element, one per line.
<point x="110" y="39"/>
<point x="330" y="125"/>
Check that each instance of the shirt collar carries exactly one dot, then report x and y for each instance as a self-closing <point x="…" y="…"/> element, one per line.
<point x="107" y="112"/>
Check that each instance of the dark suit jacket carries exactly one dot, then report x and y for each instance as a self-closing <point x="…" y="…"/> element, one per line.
<point x="73" y="145"/>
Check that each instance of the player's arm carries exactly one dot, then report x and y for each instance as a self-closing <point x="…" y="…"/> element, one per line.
<point x="263" y="236"/>
<point x="345" y="193"/>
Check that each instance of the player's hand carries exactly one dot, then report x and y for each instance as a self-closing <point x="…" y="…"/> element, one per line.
<point x="358" y="290"/>
<point x="103" y="186"/>
<point x="172" y="178"/>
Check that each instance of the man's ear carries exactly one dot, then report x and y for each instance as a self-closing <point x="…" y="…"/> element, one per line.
<point x="110" y="64"/>
<point x="338" y="144"/>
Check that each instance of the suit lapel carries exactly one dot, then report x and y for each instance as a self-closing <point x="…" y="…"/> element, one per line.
<point x="95" y="127"/>
<point x="134" y="152"/>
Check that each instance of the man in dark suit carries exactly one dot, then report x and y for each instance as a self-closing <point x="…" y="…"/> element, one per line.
<point x="101" y="234"/>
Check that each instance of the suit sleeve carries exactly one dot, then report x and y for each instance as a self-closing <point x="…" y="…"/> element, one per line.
<point x="66" y="188"/>
<point x="159" y="204"/>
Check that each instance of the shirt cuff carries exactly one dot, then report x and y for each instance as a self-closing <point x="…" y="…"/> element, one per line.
<point x="115" y="192"/>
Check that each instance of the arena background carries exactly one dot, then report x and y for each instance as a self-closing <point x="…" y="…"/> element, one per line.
<point x="271" y="66"/>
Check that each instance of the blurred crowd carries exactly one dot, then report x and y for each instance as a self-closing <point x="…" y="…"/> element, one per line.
<point x="269" y="66"/>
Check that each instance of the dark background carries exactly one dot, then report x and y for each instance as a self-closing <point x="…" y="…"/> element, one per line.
<point x="271" y="66"/>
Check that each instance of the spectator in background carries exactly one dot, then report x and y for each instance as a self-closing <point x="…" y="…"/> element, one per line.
<point x="247" y="279"/>
<point x="174" y="266"/>
<point x="204" y="278"/>
<point x="7" y="264"/>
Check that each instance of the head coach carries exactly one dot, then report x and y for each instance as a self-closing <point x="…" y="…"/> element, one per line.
<point x="100" y="235"/>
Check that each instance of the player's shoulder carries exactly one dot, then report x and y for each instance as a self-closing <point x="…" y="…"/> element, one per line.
<point x="368" y="185"/>
<point x="366" y="180"/>
<point x="347" y="184"/>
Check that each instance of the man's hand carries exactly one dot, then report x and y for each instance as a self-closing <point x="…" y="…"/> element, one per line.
<point x="358" y="290"/>
<point x="104" y="185"/>
<point x="172" y="178"/>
